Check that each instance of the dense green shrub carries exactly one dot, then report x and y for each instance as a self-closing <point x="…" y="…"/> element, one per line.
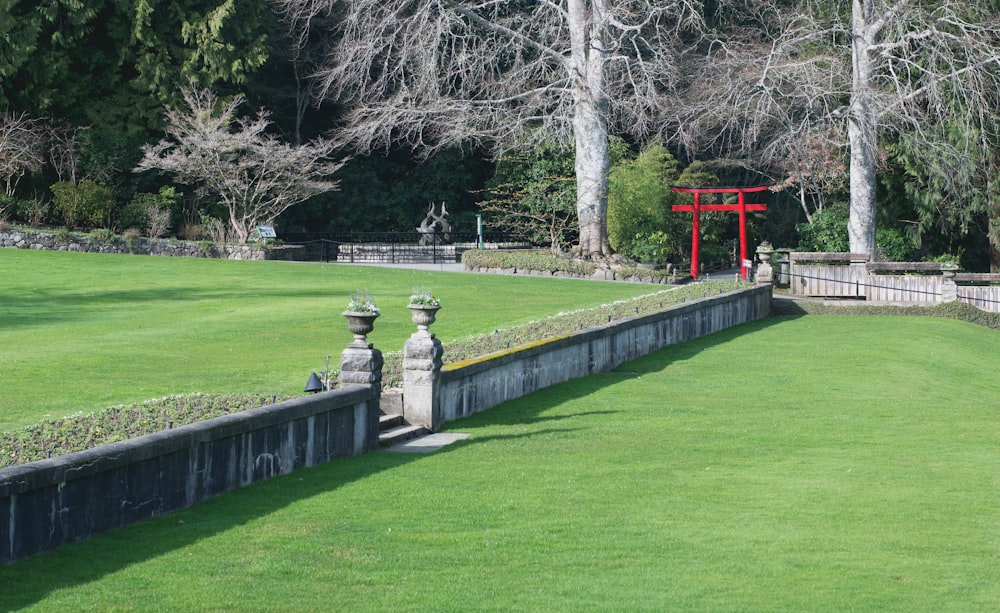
<point x="653" y="248"/>
<point x="526" y="260"/>
<point x="894" y="246"/>
<point x="135" y="214"/>
<point x="102" y="235"/>
<point x="533" y="196"/>
<point x="34" y="211"/>
<point x="151" y="213"/>
<point x="639" y="198"/>
<point x="639" y="201"/>
<point x="86" y="205"/>
<point x="8" y="207"/>
<point x="543" y="261"/>
<point x="31" y="211"/>
<point x="827" y="232"/>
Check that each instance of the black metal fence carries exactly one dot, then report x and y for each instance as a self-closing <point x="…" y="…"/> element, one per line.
<point x="390" y="247"/>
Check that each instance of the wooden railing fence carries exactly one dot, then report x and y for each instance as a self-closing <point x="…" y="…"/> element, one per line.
<point x="852" y="275"/>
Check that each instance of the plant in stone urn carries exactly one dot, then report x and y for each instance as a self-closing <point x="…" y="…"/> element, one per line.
<point x="361" y="313"/>
<point x="423" y="307"/>
<point x="764" y="251"/>
<point x="948" y="261"/>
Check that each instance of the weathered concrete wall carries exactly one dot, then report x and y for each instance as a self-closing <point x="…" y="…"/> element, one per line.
<point x="18" y="239"/>
<point x="46" y="504"/>
<point x="476" y="385"/>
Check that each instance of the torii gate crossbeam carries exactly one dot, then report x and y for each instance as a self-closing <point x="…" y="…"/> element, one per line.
<point x="695" y="209"/>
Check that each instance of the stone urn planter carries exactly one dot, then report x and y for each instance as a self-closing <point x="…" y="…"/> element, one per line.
<point x="360" y="323"/>
<point x="423" y="315"/>
<point x="949" y="269"/>
<point x="764" y="251"/>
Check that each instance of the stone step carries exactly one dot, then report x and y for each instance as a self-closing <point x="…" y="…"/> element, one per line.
<point x="399" y="434"/>
<point x="386" y="421"/>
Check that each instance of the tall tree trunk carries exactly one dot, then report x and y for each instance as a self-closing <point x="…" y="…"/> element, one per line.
<point x="590" y="123"/>
<point x="993" y="225"/>
<point x="592" y="166"/>
<point x="994" y="254"/>
<point x="861" y="132"/>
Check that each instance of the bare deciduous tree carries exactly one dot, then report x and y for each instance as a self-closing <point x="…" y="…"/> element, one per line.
<point x="533" y="197"/>
<point x="818" y="74"/>
<point x="256" y="176"/>
<point x="22" y="148"/>
<point x="433" y="73"/>
<point x="64" y="150"/>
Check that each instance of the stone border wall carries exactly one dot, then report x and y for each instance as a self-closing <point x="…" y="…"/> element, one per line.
<point x="52" y="241"/>
<point x="469" y="387"/>
<point x="49" y="503"/>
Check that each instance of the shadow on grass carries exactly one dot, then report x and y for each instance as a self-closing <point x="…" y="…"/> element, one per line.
<point x="44" y="306"/>
<point x="29" y="581"/>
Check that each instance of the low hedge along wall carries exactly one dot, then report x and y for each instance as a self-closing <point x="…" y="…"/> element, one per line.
<point x="529" y="262"/>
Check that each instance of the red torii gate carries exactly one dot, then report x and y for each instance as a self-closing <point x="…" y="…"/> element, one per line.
<point x="695" y="209"/>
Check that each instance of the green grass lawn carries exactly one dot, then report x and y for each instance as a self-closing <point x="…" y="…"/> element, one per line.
<point x="809" y="464"/>
<point x="80" y="332"/>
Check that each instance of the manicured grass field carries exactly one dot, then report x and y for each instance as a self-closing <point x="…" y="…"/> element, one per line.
<point x="80" y="332"/>
<point x="810" y="464"/>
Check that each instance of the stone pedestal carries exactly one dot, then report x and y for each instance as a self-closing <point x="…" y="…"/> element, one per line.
<point x="360" y="366"/>
<point x="764" y="273"/>
<point x="949" y="290"/>
<point x="421" y="373"/>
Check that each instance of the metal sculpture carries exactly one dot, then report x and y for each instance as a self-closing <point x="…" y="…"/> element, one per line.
<point x="435" y="225"/>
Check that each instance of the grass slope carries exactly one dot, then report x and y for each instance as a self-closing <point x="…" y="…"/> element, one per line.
<point x="815" y="463"/>
<point x="80" y="332"/>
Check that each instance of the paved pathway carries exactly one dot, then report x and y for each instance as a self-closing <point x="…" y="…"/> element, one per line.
<point x="441" y="267"/>
<point x="732" y="274"/>
<point x="429" y="443"/>
<point x="722" y="275"/>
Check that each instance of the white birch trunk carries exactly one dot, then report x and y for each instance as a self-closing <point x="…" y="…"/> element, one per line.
<point x="861" y="132"/>
<point x="590" y="123"/>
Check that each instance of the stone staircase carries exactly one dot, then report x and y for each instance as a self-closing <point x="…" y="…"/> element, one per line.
<point x="393" y="430"/>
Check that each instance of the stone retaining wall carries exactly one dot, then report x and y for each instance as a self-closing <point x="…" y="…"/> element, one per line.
<point x="49" y="503"/>
<point x="53" y="241"/>
<point x="465" y="388"/>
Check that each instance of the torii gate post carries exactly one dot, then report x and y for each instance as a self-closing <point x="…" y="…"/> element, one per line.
<point x="695" y="209"/>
